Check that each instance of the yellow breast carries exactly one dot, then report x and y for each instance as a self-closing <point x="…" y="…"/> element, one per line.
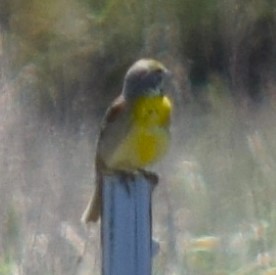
<point x="148" y="138"/>
<point x="152" y="111"/>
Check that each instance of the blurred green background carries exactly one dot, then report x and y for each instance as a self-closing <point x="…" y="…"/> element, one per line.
<point x="63" y="61"/>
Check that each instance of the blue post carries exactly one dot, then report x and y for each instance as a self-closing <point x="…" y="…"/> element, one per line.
<point x="126" y="225"/>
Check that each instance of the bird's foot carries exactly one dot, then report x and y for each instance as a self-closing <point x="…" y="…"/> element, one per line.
<point x="150" y="176"/>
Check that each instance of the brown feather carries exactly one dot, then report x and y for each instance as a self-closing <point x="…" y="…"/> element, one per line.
<point x="93" y="209"/>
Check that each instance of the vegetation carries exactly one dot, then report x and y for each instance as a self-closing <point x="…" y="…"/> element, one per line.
<point x="62" y="62"/>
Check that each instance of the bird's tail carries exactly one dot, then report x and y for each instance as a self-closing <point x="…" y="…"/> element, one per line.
<point x="93" y="209"/>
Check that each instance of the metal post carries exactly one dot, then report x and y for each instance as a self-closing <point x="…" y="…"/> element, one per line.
<point x="126" y="225"/>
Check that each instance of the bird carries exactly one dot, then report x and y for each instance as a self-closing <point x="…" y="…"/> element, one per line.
<point x="135" y="130"/>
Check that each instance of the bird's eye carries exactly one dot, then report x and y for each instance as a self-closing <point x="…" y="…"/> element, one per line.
<point x="159" y="71"/>
<point x="158" y="75"/>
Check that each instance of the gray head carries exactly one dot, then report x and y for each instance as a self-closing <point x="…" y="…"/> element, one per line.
<point x="145" y="77"/>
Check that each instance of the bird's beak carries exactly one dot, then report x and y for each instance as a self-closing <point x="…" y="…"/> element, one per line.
<point x="167" y="74"/>
<point x="166" y="83"/>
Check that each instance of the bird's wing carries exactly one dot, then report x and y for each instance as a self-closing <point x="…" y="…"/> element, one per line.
<point x="114" y="128"/>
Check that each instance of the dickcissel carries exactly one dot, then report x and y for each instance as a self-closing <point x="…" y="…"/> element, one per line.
<point x="135" y="130"/>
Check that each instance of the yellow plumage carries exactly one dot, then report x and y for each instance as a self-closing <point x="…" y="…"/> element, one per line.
<point x="148" y="137"/>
